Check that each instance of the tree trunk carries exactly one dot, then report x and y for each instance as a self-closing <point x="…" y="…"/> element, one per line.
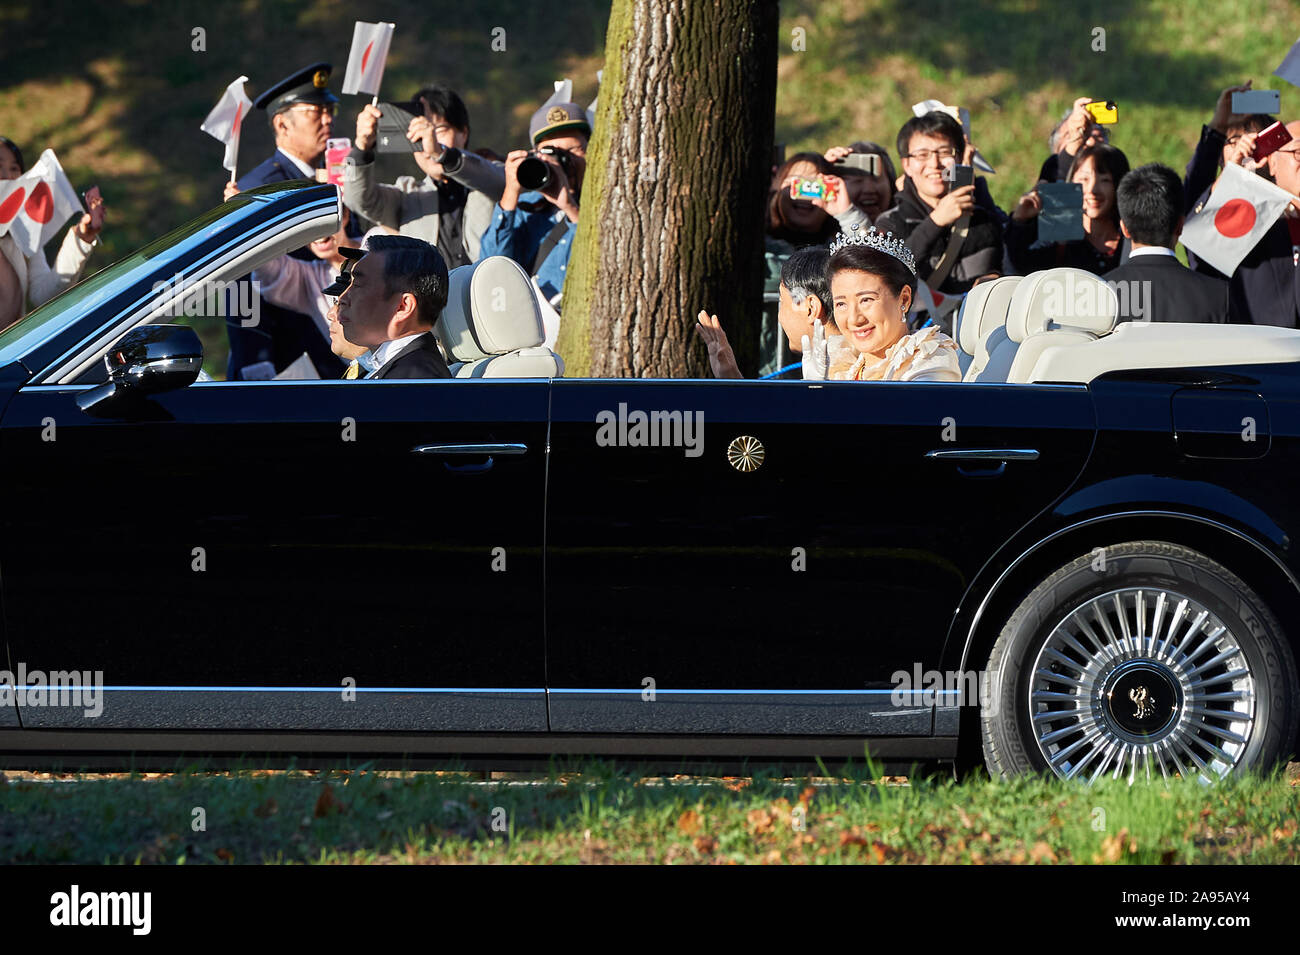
<point x="677" y="178"/>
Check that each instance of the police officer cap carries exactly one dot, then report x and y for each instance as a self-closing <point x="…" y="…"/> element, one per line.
<point x="308" y="85"/>
<point x="556" y="118"/>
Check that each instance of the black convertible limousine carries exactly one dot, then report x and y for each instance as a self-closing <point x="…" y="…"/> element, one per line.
<point x="512" y="564"/>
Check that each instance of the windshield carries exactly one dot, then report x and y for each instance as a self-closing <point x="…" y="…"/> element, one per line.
<point x="47" y="320"/>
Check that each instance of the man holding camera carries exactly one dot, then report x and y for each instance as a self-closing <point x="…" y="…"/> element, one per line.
<point x="452" y="206"/>
<point x="537" y="215"/>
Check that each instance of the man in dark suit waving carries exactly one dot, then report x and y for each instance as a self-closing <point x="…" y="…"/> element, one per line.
<point x="398" y="290"/>
<point x="1153" y="283"/>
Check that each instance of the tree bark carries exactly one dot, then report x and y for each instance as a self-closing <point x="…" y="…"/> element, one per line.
<point x="677" y="177"/>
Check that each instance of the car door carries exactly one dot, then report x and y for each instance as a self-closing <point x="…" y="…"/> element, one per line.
<point x="774" y="571"/>
<point x="340" y="555"/>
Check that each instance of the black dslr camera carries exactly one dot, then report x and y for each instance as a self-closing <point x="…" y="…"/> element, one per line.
<point x="534" y="173"/>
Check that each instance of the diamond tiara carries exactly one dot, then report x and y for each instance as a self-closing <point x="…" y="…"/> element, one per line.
<point x="873" y="238"/>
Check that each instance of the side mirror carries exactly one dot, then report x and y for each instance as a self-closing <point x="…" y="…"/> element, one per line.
<point x="146" y="361"/>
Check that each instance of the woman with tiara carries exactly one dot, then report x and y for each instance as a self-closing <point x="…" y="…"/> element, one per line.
<point x="872" y="278"/>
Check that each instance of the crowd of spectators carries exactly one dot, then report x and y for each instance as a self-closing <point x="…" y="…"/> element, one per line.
<point x="953" y="235"/>
<point x="861" y="244"/>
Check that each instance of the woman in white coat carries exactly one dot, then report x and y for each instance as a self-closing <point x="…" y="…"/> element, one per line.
<point x="26" y="280"/>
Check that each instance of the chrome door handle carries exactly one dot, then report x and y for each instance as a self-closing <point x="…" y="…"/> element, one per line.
<point x="984" y="454"/>
<point x="477" y="450"/>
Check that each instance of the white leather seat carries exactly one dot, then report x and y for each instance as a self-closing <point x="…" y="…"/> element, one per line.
<point x="1072" y="305"/>
<point x="1142" y="345"/>
<point x="1081" y="309"/>
<point x="983" y="310"/>
<point x="492" y="325"/>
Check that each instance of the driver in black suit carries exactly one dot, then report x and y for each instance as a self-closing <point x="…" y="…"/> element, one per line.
<point x="396" y="293"/>
<point x="1150" y="200"/>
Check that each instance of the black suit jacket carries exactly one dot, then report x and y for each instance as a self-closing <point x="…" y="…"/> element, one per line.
<point x="420" y="359"/>
<point x="1176" y="293"/>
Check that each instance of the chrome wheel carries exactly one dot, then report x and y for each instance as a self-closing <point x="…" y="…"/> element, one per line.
<point x="1142" y="681"/>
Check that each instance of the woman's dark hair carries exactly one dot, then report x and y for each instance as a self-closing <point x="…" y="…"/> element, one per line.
<point x="861" y="258"/>
<point x="805" y="271"/>
<point x="446" y="103"/>
<point x="777" y="227"/>
<point x="1105" y="158"/>
<point x="13" y="148"/>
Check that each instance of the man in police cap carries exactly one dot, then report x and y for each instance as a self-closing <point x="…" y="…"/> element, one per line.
<point x="301" y="110"/>
<point x="536" y="228"/>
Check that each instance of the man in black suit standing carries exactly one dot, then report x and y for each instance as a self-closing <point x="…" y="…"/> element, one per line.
<point x="1153" y="285"/>
<point x="398" y="290"/>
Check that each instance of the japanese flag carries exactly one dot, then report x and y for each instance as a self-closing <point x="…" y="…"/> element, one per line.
<point x="35" y="206"/>
<point x="1240" y="210"/>
<point x="563" y="93"/>
<point x="369" y="53"/>
<point x="591" y="109"/>
<point x="936" y="303"/>
<point x="225" y="119"/>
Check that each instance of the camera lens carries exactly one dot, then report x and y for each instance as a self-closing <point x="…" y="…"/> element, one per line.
<point x="534" y="174"/>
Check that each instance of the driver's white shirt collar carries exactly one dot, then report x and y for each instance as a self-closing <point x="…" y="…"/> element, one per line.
<point x="388" y="350"/>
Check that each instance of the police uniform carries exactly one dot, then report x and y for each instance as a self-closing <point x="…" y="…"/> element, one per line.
<point x="282" y="335"/>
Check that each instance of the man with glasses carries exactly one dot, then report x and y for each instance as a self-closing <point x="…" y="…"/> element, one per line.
<point x="1265" y="289"/>
<point x="301" y="110"/>
<point x="956" y="236"/>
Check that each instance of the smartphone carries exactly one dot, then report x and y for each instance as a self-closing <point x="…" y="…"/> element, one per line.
<point x="1257" y="101"/>
<point x="336" y="150"/>
<point x="808" y="189"/>
<point x="1103" y="113"/>
<point x="959" y="176"/>
<point x="89" y="196"/>
<point x="863" y="162"/>
<point x="390" y="135"/>
<point x="1269" y="140"/>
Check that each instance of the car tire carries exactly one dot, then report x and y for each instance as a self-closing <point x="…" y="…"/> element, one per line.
<point x="1140" y="660"/>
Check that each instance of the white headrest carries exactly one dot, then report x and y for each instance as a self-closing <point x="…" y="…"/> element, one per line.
<point x="984" y="308"/>
<point x="1056" y="298"/>
<point x="491" y="310"/>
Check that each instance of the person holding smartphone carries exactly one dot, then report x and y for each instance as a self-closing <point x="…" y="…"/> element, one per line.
<point x="955" y="233"/>
<point x="1098" y="170"/>
<point x="25" y="279"/>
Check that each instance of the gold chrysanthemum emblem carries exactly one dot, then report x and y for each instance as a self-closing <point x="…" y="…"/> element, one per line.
<point x="746" y="453"/>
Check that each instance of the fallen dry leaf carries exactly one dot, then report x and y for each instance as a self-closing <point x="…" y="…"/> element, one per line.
<point x="327" y="803"/>
<point x="688" y="823"/>
<point x="759" y="821"/>
<point x="705" y="844"/>
<point x="1042" y="852"/>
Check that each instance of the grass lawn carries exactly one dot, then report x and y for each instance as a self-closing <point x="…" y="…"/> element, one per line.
<point x="603" y="815"/>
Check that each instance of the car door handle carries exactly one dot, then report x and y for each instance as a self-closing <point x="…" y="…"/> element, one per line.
<point x="470" y="450"/>
<point x="984" y="454"/>
<point x="474" y="450"/>
<point x="1000" y="455"/>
